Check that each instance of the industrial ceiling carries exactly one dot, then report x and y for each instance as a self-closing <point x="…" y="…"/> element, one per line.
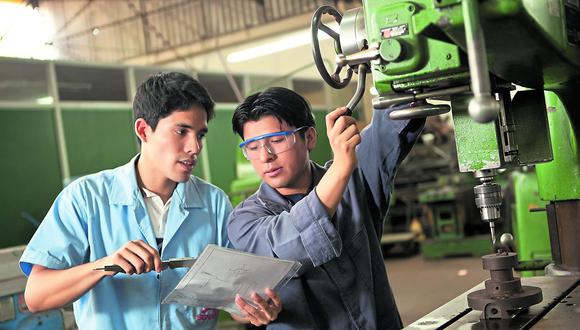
<point x="162" y="31"/>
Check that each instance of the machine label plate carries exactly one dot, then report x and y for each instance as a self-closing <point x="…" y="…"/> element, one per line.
<point x="395" y="31"/>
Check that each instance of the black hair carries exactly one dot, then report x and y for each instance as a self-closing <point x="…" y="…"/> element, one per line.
<point x="165" y="92"/>
<point x="282" y="103"/>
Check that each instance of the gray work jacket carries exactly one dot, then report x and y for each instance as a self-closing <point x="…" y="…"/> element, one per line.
<point x="342" y="283"/>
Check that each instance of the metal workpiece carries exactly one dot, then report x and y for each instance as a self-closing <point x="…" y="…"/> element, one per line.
<point x="500" y="261"/>
<point x="483" y="108"/>
<point x="507" y="243"/>
<point x="504" y="294"/>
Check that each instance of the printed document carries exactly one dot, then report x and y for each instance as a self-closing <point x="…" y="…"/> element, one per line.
<point x="220" y="273"/>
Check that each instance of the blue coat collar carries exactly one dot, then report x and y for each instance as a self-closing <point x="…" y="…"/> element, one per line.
<point x="125" y="190"/>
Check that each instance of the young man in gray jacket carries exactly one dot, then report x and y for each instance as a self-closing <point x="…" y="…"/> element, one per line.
<point x="329" y="218"/>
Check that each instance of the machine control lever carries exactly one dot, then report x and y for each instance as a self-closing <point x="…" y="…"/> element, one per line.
<point x="364" y="56"/>
<point x="360" y="88"/>
<point x="483" y="108"/>
<point x="421" y="108"/>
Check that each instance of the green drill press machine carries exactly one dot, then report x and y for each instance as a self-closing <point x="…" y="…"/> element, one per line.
<point x="475" y="54"/>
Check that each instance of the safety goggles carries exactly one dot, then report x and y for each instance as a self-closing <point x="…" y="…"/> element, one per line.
<point x="273" y="143"/>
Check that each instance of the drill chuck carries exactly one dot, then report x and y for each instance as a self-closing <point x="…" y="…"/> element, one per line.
<point x="488" y="199"/>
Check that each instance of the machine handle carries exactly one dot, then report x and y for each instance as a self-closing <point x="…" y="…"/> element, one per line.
<point x="332" y="79"/>
<point x="420" y="111"/>
<point x="360" y="88"/>
<point x="483" y="108"/>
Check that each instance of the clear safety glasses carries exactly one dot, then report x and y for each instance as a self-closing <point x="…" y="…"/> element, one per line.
<point x="274" y="143"/>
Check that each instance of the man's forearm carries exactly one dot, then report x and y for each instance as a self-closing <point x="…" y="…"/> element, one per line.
<point x="331" y="188"/>
<point x="50" y="288"/>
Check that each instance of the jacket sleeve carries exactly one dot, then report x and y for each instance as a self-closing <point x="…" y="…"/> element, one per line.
<point x="384" y="144"/>
<point x="305" y="233"/>
<point x="222" y="210"/>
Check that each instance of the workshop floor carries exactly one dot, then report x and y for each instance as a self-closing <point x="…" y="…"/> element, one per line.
<point x="421" y="286"/>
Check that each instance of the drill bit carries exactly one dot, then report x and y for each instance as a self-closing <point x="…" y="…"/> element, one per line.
<point x="492" y="229"/>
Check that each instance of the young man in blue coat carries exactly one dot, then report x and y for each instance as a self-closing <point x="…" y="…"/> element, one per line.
<point x="329" y="218"/>
<point x="134" y="216"/>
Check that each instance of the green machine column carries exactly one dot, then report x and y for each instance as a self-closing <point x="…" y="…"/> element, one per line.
<point x="530" y="228"/>
<point x="559" y="183"/>
<point x="559" y="180"/>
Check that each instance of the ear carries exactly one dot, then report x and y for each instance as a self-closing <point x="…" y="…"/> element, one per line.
<point x="311" y="137"/>
<point x="142" y="129"/>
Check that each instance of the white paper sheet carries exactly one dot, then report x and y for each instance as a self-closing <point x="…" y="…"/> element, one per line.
<point x="220" y="273"/>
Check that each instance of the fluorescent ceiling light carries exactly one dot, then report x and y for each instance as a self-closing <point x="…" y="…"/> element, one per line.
<point x="289" y="41"/>
<point x="45" y="100"/>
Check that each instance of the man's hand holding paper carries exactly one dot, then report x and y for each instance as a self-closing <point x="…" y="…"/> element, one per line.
<point x="240" y="283"/>
<point x="262" y="311"/>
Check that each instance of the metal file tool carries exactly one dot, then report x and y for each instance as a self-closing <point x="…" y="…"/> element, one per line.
<point x="171" y="263"/>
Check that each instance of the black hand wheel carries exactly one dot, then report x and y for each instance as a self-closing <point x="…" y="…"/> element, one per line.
<point x="334" y="79"/>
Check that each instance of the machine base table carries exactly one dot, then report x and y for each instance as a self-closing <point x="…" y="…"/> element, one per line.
<point x="559" y="309"/>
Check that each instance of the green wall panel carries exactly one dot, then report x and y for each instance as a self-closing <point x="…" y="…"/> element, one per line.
<point x="322" y="153"/>
<point x="198" y="170"/>
<point x="221" y="144"/>
<point x="101" y="139"/>
<point x="98" y="139"/>
<point x="30" y="171"/>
